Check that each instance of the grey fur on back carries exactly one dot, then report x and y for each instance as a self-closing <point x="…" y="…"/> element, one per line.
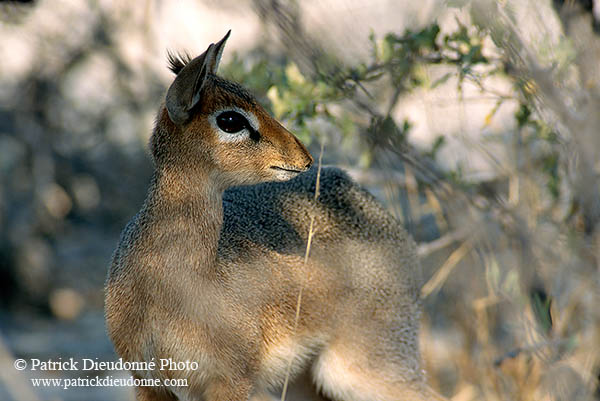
<point x="261" y="213"/>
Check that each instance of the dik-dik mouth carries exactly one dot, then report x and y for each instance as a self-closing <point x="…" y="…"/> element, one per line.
<point x="288" y="169"/>
<point x="286" y="173"/>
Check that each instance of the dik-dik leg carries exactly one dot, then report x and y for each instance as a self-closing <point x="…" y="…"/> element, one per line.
<point x="375" y="354"/>
<point x="153" y="394"/>
<point x="228" y="389"/>
<point x="352" y="372"/>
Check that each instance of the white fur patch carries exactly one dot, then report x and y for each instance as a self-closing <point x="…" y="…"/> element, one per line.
<point x="278" y="357"/>
<point x="238" y="136"/>
<point x="340" y="376"/>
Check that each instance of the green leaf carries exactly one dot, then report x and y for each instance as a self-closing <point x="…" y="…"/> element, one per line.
<point x="442" y="80"/>
<point x="438" y="143"/>
<point x="427" y="37"/>
<point x="541" y="305"/>
<point x="522" y="115"/>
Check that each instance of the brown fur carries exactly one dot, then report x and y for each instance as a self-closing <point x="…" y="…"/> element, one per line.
<point x="210" y="271"/>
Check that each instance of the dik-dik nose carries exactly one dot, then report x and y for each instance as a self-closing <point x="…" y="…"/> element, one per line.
<point x="292" y="156"/>
<point x="307" y="159"/>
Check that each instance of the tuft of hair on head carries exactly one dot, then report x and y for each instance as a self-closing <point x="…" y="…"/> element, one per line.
<point x="177" y="61"/>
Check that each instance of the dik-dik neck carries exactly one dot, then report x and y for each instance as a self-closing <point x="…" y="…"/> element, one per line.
<point x="188" y="213"/>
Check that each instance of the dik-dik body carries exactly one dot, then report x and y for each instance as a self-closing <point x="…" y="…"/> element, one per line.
<point x="211" y="267"/>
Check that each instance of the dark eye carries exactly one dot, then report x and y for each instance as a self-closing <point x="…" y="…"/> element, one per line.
<point x="232" y="122"/>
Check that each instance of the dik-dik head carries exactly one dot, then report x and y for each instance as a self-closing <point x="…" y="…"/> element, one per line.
<point x="215" y="128"/>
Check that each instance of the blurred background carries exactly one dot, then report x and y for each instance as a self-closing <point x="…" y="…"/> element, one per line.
<point x="475" y="121"/>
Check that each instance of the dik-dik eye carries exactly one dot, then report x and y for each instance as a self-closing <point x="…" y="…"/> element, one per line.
<point x="232" y="122"/>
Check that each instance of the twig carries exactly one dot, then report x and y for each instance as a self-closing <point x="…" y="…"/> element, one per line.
<point x="513" y="353"/>
<point x="306" y="255"/>
<point x="444" y="241"/>
<point x="438" y="279"/>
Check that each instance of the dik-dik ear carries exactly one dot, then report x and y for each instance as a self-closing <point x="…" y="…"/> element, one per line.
<point x="213" y="62"/>
<point x="184" y="92"/>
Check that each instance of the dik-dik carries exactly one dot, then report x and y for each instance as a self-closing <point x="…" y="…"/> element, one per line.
<point x="211" y="268"/>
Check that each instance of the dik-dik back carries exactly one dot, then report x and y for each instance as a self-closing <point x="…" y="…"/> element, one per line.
<point x="211" y="268"/>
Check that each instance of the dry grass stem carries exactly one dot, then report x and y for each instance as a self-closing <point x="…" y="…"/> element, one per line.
<point x="306" y="255"/>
